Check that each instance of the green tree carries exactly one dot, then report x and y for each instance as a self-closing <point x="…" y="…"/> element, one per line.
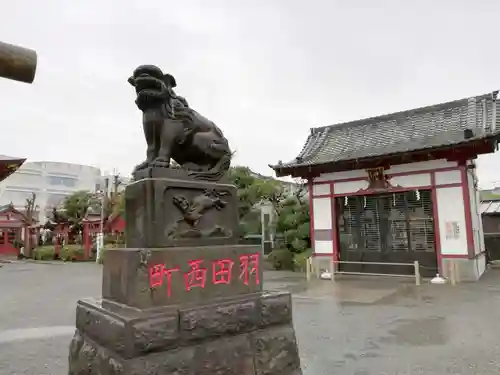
<point x="252" y="190"/>
<point x="114" y="204"/>
<point x="77" y="204"/>
<point x="30" y="208"/>
<point x="293" y="223"/>
<point x="119" y="203"/>
<point x="244" y="180"/>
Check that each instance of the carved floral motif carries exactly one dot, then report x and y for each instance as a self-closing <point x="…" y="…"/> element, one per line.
<point x="377" y="179"/>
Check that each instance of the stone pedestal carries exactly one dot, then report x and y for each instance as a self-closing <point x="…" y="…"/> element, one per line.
<point x="189" y="302"/>
<point x="241" y="336"/>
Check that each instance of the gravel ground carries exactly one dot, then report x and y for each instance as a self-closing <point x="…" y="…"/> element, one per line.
<point x="367" y="326"/>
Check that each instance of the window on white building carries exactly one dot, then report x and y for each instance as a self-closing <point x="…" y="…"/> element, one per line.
<point x="62" y="181"/>
<point x="25" y="180"/>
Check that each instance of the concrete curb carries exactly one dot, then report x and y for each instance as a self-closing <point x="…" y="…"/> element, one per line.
<point x="31" y="261"/>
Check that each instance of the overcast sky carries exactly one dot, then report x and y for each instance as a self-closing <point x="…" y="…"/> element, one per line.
<point x="265" y="71"/>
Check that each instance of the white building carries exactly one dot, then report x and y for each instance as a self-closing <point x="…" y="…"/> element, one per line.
<point x="50" y="181"/>
<point x="401" y="188"/>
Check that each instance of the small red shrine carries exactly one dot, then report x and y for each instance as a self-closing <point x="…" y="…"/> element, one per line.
<point x="115" y="225"/>
<point x="11" y="223"/>
<point x="61" y="237"/>
<point x="15" y="227"/>
<point x="91" y="228"/>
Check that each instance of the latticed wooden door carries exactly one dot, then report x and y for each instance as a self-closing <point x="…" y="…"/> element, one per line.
<point x="394" y="227"/>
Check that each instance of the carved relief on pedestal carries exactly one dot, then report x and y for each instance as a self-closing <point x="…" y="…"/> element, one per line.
<point x="192" y="212"/>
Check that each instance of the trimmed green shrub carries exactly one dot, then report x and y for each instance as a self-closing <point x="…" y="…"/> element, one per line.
<point x="281" y="259"/>
<point x="300" y="259"/>
<point x="70" y="253"/>
<point x="44" y="253"/>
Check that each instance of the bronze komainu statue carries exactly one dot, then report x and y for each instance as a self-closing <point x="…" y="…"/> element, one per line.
<point x="175" y="131"/>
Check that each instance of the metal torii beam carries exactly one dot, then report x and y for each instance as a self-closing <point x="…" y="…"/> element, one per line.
<point x="17" y="63"/>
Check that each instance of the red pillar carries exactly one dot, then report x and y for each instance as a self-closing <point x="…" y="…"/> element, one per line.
<point x="37" y="237"/>
<point x="27" y="241"/>
<point x="86" y="241"/>
<point x="66" y="235"/>
<point x="58" y="241"/>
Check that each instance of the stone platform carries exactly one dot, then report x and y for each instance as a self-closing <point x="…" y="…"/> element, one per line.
<point x="145" y="278"/>
<point x="244" y="335"/>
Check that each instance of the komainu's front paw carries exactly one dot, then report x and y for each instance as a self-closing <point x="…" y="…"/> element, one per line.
<point x="143" y="165"/>
<point x="160" y="162"/>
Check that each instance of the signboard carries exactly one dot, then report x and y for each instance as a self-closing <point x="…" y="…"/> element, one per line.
<point x="452" y="230"/>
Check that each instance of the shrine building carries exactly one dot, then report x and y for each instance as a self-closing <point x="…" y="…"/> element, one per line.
<point x="401" y="187"/>
<point x="11" y="220"/>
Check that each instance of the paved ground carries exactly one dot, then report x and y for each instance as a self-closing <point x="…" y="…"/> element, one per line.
<point x="353" y="327"/>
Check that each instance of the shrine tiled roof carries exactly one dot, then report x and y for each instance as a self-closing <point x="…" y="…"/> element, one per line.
<point x="490" y="207"/>
<point x="6" y="207"/>
<point x="9" y="208"/>
<point x="423" y="128"/>
<point x="8" y="165"/>
<point x="8" y="158"/>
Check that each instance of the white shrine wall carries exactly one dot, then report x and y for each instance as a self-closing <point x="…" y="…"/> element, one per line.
<point x="458" y="225"/>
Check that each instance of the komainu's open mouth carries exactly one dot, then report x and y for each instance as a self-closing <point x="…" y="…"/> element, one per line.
<point x="149" y="83"/>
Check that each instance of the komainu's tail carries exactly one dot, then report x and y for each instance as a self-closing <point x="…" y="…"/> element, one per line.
<point x="215" y="173"/>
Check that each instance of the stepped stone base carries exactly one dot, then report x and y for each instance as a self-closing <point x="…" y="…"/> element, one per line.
<point x="244" y="335"/>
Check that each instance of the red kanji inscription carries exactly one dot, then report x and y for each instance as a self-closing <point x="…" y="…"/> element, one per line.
<point x="249" y="265"/>
<point x="221" y="271"/>
<point x="197" y="276"/>
<point x="157" y="273"/>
